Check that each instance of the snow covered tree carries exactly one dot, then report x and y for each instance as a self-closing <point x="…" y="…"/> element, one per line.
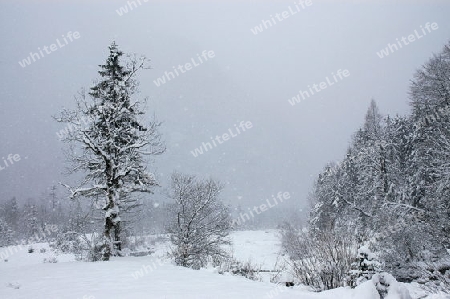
<point x="373" y="120"/>
<point x="6" y="234"/>
<point x="324" y="198"/>
<point x="430" y="101"/>
<point x="199" y="223"/>
<point x="111" y="142"/>
<point x="30" y="221"/>
<point x="347" y="195"/>
<point x="54" y="206"/>
<point x="392" y="189"/>
<point x="11" y="210"/>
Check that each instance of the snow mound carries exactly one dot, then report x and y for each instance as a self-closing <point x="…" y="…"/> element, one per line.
<point x="389" y="288"/>
<point x="365" y="290"/>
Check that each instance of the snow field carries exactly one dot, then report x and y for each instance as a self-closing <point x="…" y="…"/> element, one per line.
<point x="26" y="276"/>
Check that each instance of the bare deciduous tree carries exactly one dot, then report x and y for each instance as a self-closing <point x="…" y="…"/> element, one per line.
<point x="200" y="222"/>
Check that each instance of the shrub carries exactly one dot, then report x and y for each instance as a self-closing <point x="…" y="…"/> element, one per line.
<point x="67" y="242"/>
<point x="321" y="260"/>
<point x="246" y="269"/>
<point x="364" y="267"/>
<point x="52" y="260"/>
<point x="92" y="248"/>
<point x="85" y="247"/>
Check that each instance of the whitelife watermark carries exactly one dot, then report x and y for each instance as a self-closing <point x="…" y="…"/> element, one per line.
<point x="276" y="291"/>
<point x="146" y="269"/>
<point x="404" y="41"/>
<point x="231" y="133"/>
<point x="243" y="217"/>
<point x="169" y="75"/>
<point x="69" y="128"/>
<point x="316" y="88"/>
<point x="130" y="6"/>
<point x="266" y="24"/>
<point x="34" y="56"/>
<point x="10" y="160"/>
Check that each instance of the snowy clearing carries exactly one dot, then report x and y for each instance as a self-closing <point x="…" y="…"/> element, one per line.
<point x="25" y="275"/>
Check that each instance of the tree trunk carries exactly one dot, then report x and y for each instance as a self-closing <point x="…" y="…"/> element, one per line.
<point x="113" y="244"/>
<point x="117" y="241"/>
<point x="107" y="233"/>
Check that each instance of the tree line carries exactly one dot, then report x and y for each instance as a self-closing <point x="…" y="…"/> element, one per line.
<point x="390" y="192"/>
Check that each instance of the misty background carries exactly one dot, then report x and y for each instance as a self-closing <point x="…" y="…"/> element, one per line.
<point x="250" y="78"/>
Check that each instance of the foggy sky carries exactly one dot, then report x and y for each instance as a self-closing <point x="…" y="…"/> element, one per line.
<point x="250" y="78"/>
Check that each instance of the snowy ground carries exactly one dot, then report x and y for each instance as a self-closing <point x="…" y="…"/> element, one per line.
<point x="260" y="247"/>
<point x="25" y="275"/>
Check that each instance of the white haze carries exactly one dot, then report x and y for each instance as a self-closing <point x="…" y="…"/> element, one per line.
<point x="250" y="78"/>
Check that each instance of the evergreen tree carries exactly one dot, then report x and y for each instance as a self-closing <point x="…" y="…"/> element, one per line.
<point x="11" y="212"/>
<point x="30" y="221"/>
<point x="6" y="234"/>
<point x="114" y="143"/>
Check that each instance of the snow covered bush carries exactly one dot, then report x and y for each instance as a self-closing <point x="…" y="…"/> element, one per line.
<point x="365" y="266"/>
<point x="321" y="260"/>
<point x="85" y="247"/>
<point x="247" y="269"/>
<point x="52" y="260"/>
<point x="435" y="276"/>
<point x="14" y="285"/>
<point x="407" y="245"/>
<point x="66" y="242"/>
<point x="92" y="248"/>
<point x="411" y="253"/>
<point x="199" y="222"/>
